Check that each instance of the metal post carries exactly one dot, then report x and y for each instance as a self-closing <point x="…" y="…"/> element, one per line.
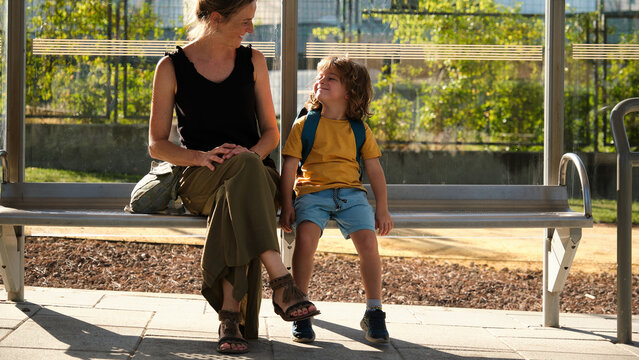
<point x="624" y="249"/>
<point x="288" y="90"/>
<point x="550" y="301"/>
<point x="288" y="98"/>
<point x="625" y="162"/>
<point x="553" y="122"/>
<point x="16" y="70"/>
<point x="554" y="90"/>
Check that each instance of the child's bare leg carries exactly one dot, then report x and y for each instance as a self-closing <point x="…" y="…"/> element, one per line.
<point x="307" y="237"/>
<point x="370" y="267"/>
<point x="373" y="323"/>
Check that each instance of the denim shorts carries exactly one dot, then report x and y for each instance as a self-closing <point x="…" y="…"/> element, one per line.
<point x="348" y="207"/>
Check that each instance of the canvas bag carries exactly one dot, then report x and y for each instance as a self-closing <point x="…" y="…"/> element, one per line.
<point x="156" y="192"/>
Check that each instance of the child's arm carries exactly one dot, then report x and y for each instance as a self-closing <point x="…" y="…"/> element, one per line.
<point x="287" y="215"/>
<point x="383" y="221"/>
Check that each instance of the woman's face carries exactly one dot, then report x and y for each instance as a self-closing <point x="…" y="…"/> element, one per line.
<point x="237" y="25"/>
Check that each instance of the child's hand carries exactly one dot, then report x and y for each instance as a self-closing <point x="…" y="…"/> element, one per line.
<point x="383" y="222"/>
<point x="287" y="217"/>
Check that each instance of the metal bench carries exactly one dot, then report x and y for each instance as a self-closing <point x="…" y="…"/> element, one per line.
<point x="411" y="206"/>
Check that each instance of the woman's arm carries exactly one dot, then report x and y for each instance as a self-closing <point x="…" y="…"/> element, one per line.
<point x="375" y="173"/>
<point x="265" y="110"/>
<point x="160" y="147"/>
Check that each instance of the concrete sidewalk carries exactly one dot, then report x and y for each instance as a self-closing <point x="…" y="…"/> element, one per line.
<point x="88" y="324"/>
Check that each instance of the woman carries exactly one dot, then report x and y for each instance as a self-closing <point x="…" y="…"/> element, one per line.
<point x="226" y="122"/>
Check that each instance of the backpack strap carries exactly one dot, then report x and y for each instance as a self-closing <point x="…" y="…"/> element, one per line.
<point x="310" y="128"/>
<point x="360" y="136"/>
<point x="308" y="133"/>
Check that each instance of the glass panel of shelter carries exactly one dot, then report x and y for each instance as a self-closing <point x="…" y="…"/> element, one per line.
<point x="458" y="86"/>
<point x="90" y="67"/>
<point x="602" y="63"/>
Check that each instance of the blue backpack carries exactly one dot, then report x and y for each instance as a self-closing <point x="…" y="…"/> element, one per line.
<point x="310" y="128"/>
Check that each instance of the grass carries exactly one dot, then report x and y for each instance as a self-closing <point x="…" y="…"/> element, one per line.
<point x="34" y="174"/>
<point x="603" y="210"/>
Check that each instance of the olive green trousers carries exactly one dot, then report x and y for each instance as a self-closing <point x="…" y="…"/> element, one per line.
<point x="240" y="200"/>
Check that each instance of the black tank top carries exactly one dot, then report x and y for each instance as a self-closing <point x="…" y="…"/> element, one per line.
<point x="211" y="114"/>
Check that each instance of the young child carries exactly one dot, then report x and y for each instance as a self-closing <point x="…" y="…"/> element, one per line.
<point x="329" y="186"/>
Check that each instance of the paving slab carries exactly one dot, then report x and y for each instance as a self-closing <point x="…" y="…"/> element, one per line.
<point x="582" y="321"/>
<point x="61" y="296"/>
<point x="457" y="354"/>
<point x="551" y="348"/>
<point x="471" y="318"/>
<point x="181" y="327"/>
<point x="72" y="334"/>
<point x="48" y="354"/>
<point x="182" y="321"/>
<point x="325" y="349"/>
<point x="16" y="311"/>
<point x="158" y="304"/>
<point x="98" y="317"/>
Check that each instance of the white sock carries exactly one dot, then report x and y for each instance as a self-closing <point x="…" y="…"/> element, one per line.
<point x="372" y="304"/>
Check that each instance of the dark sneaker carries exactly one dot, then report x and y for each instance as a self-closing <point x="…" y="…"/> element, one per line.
<point x="303" y="331"/>
<point x="374" y="325"/>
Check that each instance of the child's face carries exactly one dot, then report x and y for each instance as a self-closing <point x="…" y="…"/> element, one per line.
<point x="328" y="88"/>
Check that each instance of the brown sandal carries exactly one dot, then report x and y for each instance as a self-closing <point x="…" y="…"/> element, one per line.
<point x="230" y="320"/>
<point x="291" y="292"/>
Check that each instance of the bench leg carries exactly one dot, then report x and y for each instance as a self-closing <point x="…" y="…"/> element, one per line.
<point x="12" y="261"/>
<point x="287" y="245"/>
<point x="560" y="247"/>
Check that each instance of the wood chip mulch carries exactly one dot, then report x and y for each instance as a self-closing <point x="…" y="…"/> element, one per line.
<point x="106" y="265"/>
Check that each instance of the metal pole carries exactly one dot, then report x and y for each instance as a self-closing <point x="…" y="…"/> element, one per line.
<point x="624" y="218"/>
<point x="288" y="99"/>
<point x="624" y="249"/>
<point x="288" y="90"/>
<point x="554" y="90"/>
<point x="553" y="122"/>
<point x="15" y="137"/>
<point x="16" y="72"/>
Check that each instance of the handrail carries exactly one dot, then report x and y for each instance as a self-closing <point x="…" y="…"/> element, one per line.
<point x="618" y="128"/>
<point x="583" y="178"/>
<point x="626" y="160"/>
<point x="5" y="166"/>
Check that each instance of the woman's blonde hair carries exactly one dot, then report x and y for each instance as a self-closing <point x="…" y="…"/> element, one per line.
<point x="199" y="13"/>
<point x="356" y="81"/>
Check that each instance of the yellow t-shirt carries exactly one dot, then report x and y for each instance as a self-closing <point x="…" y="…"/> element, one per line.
<point x="332" y="162"/>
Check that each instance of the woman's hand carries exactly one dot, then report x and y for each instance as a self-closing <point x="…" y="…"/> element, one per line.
<point x="237" y="149"/>
<point x="217" y="155"/>
<point x="220" y="154"/>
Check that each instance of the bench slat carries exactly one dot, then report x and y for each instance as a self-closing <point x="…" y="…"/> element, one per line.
<point x="449" y="220"/>
<point x="413" y="197"/>
<point x="12" y="216"/>
<point x="417" y="205"/>
<point x="92" y="217"/>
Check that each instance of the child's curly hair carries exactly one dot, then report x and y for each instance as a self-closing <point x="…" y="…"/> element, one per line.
<point x="356" y="81"/>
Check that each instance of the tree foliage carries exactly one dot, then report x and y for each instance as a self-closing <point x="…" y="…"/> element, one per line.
<point x="487" y="102"/>
<point x="90" y="88"/>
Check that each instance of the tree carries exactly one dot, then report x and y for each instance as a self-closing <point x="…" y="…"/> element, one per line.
<point x="89" y="87"/>
<point x="466" y="100"/>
